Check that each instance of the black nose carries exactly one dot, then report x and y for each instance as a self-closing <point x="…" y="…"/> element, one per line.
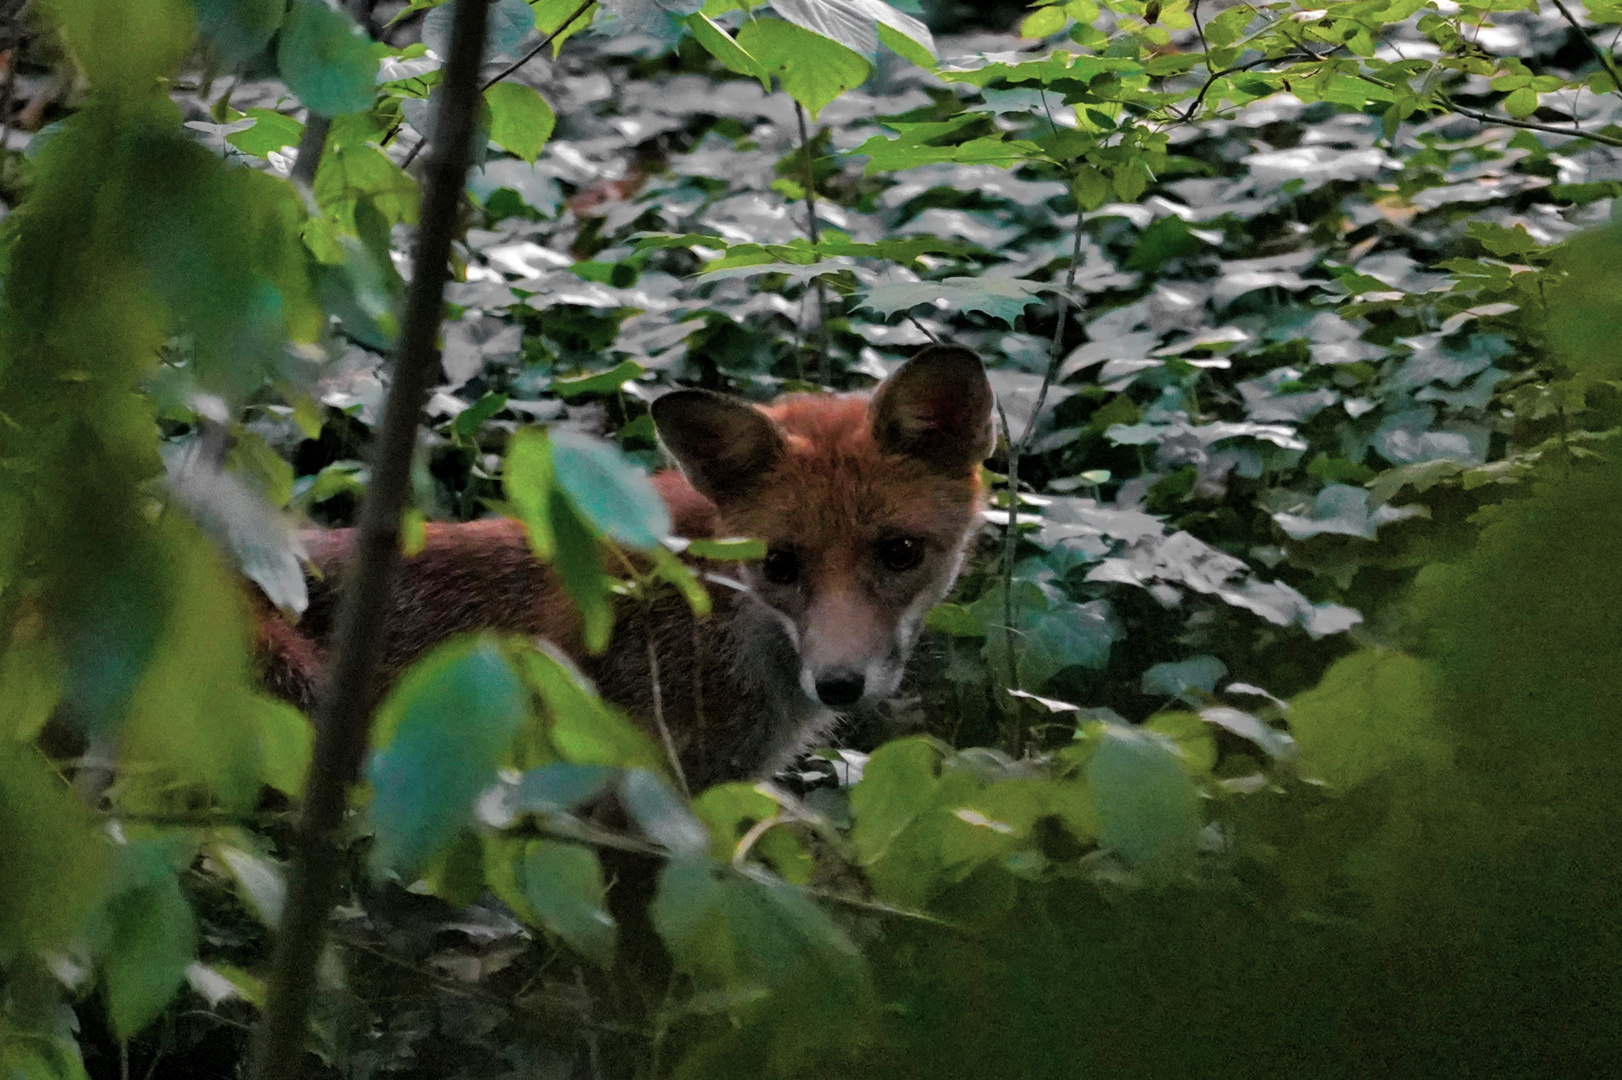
<point x="840" y="688"/>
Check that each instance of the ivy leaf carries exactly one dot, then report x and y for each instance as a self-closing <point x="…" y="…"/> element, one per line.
<point x="813" y="69"/>
<point x="441" y="734"/>
<point x="326" y="59"/>
<point x="1000" y="298"/>
<point x="601" y="382"/>
<point x="520" y="119"/>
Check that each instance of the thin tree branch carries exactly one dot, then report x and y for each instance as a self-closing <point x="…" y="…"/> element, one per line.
<point x="343" y="713"/>
<point x="1015" y="736"/>
<point x="502" y="74"/>
<point x="1599" y="54"/>
<point x="809" y="180"/>
<point x="536" y="51"/>
<point x="1530" y="125"/>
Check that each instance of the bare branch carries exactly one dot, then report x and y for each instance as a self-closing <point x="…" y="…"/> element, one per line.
<point x="343" y="712"/>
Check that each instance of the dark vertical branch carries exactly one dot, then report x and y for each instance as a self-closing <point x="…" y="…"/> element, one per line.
<point x="1014" y="736"/>
<point x="342" y="714"/>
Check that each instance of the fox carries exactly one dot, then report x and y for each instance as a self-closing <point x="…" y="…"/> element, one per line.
<point x="867" y="503"/>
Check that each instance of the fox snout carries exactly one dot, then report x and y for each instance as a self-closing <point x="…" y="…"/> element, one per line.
<point x="850" y="648"/>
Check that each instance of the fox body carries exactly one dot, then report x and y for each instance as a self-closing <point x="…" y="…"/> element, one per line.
<point x="866" y="502"/>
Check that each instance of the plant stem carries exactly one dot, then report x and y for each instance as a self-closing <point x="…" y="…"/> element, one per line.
<point x="1605" y="61"/>
<point x="809" y="180"/>
<point x="1014" y="737"/>
<point x="343" y="710"/>
<point x="502" y="74"/>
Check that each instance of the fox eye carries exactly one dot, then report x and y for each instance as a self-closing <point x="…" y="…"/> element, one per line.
<point x="782" y="566"/>
<point x="901" y="553"/>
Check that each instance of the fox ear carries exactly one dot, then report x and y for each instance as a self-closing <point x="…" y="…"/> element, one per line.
<point x="722" y="445"/>
<point x="936" y="407"/>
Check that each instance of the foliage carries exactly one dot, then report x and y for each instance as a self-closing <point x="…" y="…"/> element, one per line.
<point x="1313" y="362"/>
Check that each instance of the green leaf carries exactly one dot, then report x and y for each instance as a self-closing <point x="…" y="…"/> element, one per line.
<point x="1522" y="102"/>
<point x="286" y="739"/>
<point x="271" y="131"/>
<point x="661" y="815"/>
<point x="761" y="942"/>
<point x="236" y="31"/>
<point x="579" y="561"/>
<point x="721" y="45"/>
<point x="955" y="620"/>
<point x="1089" y="187"/>
<point x="550" y="16"/>
<point x="812" y="69"/>
<point x="584" y="729"/>
<point x="326" y="59"/>
<point x="1043" y="22"/>
<point x="731" y="810"/>
<point x="601" y="382"/>
<point x="1192" y="737"/>
<point x="53" y="849"/>
<point x="441" y="734"/>
<point x="520" y="119"/>
<point x="152" y="940"/>
<point x="126" y="47"/>
<point x="1373" y="711"/>
<point x="1000" y="298"/>
<point x="258" y="880"/>
<point x="562" y="787"/>
<point x="1148" y="810"/>
<point x="526" y="480"/>
<point x="611" y="493"/>
<point x="860" y="25"/>
<point x="469" y="420"/>
<point x="563" y="884"/>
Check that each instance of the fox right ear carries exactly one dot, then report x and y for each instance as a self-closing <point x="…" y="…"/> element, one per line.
<point x="723" y="445"/>
<point x="936" y="408"/>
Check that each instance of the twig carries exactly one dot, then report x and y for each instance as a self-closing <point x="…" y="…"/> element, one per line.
<point x="1015" y="737"/>
<point x="536" y="51"/>
<point x="659" y="719"/>
<point x="1605" y="61"/>
<point x="342" y="715"/>
<point x="924" y="330"/>
<point x="809" y="179"/>
<point x="1530" y="125"/>
<point x="506" y="71"/>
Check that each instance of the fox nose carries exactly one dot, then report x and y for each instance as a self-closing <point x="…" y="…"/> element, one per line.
<point x="839" y="688"/>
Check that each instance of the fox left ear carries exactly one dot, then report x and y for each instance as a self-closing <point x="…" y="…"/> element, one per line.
<point x="936" y="407"/>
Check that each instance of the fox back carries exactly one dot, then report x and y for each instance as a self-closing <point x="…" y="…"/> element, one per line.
<point x="867" y="504"/>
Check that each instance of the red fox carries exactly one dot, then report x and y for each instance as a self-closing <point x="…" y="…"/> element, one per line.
<point x="867" y="503"/>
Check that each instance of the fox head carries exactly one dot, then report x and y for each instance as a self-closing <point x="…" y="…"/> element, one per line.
<point x="866" y="504"/>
